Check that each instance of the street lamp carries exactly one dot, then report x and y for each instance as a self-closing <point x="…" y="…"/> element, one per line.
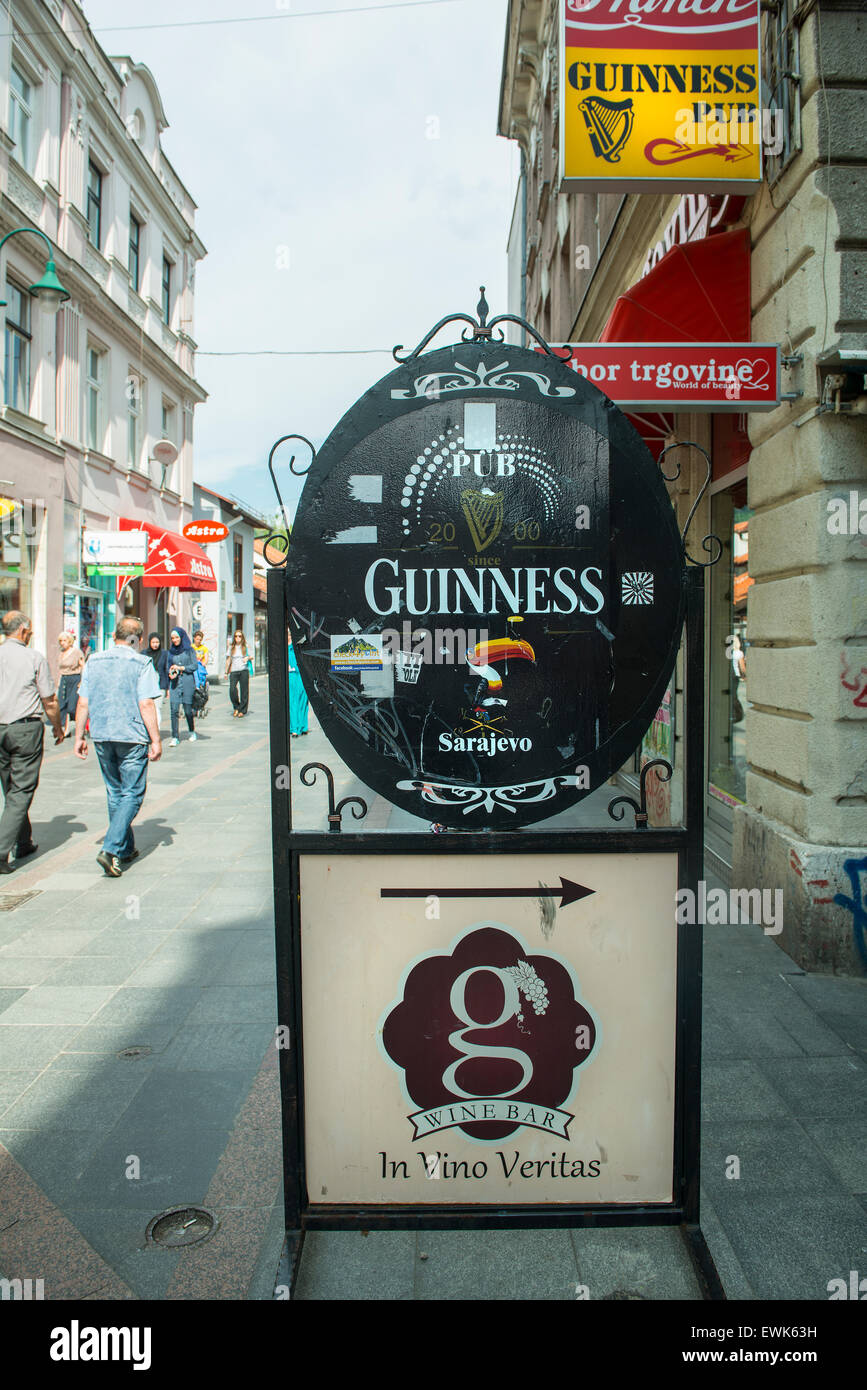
<point x="48" y="289"/>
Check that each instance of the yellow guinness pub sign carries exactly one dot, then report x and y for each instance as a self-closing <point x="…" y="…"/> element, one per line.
<point x="660" y="93"/>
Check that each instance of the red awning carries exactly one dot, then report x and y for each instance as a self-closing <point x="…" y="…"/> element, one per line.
<point x="173" y="561"/>
<point x="697" y="293"/>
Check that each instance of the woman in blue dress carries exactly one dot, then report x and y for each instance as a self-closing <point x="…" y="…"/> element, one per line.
<point x="297" y="697"/>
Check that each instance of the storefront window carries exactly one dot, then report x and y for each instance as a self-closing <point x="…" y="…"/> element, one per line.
<point x="17" y="557"/>
<point x="71" y="544"/>
<point x="729" y="655"/>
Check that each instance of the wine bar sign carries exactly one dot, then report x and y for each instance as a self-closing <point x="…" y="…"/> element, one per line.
<point x="493" y="1053"/>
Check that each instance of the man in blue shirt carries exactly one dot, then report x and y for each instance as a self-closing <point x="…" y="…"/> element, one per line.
<point x="117" y="692"/>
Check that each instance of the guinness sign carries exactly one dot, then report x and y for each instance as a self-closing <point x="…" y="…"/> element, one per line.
<point x="492" y="524"/>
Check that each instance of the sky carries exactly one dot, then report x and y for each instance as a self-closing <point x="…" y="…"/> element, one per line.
<point x="351" y="191"/>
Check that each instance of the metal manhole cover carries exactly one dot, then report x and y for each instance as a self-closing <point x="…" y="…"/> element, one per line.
<point x="9" y="901"/>
<point x="181" y="1226"/>
<point x="137" y="1050"/>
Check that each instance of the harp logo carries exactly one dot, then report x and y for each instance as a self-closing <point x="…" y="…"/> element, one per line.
<point x="484" y="516"/>
<point x="609" y="125"/>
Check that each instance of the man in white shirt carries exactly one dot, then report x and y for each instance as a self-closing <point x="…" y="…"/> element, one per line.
<point x="26" y="690"/>
<point x="118" y="691"/>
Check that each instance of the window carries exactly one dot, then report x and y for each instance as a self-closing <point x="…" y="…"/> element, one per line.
<point x="134" y="252"/>
<point x="20" y="112"/>
<point x="781" y="92"/>
<point x="17" y="365"/>
<point x="168" y="420"/>
<point x="238" y="557"/>
<point x="134" y="393"/>
<point x="167" y="290"/>
<point x="94" y="398"/>
<point x="94" y="204"/>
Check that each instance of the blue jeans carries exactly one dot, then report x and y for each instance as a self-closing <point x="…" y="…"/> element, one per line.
<point x="124" y="769"/>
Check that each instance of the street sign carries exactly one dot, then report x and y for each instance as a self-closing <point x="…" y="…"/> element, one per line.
<point x="507" y="1047"/>
<point x="487" y="522"/>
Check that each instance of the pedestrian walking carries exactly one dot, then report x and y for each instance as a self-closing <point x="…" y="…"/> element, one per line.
<point x="298" y="704"/>
<point x="26" y="689"/>
<point x="238" y="669"/>
<point x="179" y="663"/>
<point x="71" y="665"/>
<point x="155" y="652"/>
<point x="118" y="691"/>
<point x="202" y="652"/>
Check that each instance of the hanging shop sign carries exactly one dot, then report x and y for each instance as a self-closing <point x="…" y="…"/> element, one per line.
<point x="115" y="552"/>
<point x="660" y="95"/>
<point x="486" y="586"/>
<point x="682" y="376"/>
<point x="494" y="1055"/>
<point x="205" y="532"/>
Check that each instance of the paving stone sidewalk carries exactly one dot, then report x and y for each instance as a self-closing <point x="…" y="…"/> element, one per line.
<point x="176" y="961"/>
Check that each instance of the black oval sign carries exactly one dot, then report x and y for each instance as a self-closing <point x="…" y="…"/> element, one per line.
<point x="486" y="584"/>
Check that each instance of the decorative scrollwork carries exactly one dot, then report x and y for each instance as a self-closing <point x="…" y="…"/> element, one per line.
<point x="640" y="807"/>
<point x="335" y="813"/>
<point x="299" y="473"/>
<point x="710" y="543"/>
<point x="488" y="799"/>
<point x="276" y="540"/>
<point x="482" y="331"/>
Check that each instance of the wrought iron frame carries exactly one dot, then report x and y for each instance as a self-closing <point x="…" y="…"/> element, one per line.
<point x="686" y="841"/>
<point x="289" y="846"/>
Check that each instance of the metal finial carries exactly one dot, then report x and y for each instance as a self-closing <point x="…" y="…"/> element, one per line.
<point x="483" y="309"/>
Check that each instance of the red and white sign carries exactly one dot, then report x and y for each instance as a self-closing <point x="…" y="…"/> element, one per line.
<point x="649" y="24"/>
<point x="173" y="561"/>
<point x="682" y="376"/>
<point x="206" y="532"/>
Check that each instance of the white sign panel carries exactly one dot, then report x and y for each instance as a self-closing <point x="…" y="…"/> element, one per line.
<point x="118" y="548"/>
<point x="499" y="1032"/>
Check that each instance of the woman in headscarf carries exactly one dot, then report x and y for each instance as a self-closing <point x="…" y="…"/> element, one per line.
<point x="179" y="662"/>
<point x="156" y="654"/>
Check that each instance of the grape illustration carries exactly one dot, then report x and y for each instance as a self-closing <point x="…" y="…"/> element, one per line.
<point x="529" y="984"/>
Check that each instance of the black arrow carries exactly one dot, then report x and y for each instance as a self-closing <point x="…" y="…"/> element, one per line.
<point x="570" y="892"/>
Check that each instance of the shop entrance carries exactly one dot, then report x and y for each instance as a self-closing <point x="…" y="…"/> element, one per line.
<point x="83" y="617"/>
<point x="728" y="665"/>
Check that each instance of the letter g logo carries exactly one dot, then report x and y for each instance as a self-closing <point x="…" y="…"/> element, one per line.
<point x="511" y="1006"/>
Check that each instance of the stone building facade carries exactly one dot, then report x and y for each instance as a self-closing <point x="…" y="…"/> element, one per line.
<point x="786" y="636"/>
<point x="87" y="395"/>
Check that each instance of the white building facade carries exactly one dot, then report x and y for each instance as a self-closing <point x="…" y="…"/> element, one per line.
<point x="87" y="395"/>
<point x="233" y="604"/>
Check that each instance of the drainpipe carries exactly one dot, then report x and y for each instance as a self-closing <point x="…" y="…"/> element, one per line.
<point x="523" y="243"/>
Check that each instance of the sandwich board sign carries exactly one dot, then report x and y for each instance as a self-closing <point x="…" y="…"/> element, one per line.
<point x="486" y="592"/>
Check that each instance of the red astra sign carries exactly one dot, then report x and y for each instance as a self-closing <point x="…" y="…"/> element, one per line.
<point x="682" y="376"/>
<point x="206" y="532"/>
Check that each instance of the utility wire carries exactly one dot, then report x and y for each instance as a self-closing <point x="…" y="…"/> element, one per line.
<point x="300" y="352"/>
<point x="238" y="19"/>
